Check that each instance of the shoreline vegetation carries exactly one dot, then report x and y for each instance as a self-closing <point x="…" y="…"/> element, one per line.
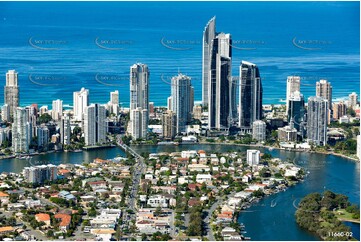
<point x="322" y="214"/>
<point x="278" y="148"/>
<point x="201" y="143"/>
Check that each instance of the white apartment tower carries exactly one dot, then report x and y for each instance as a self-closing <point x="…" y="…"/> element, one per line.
<point x="80" y="102"/>
<point x="139" y="124"/>
<point x="57" y="110"/>
<point x="324" y="90"/>
<point x="352" y="100"/>
<point x="259" y="130"/>
<point x="113" y="105"/>
<point x="11" y="91"/>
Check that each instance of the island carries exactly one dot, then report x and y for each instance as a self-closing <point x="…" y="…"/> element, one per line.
<point x="323" y="214"/>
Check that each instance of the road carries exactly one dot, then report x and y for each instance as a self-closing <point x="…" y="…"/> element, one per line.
<point x="138" y="169"/>
<point x="207" y="219"/>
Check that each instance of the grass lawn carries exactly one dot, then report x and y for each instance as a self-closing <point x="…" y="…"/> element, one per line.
<point x="342" y="214"/>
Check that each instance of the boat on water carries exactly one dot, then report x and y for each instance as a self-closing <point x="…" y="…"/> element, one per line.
<point x="273" y="203"/>
<point x="24" y="157"/>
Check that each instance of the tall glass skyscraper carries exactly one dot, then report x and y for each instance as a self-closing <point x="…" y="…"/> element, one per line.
<point x="317" y="120"/>
<point x="209" y="34"/>
<point x="95" y="126"/>
<point x="220" y="82"/>
<point x="296" y="109"/>
<point x="139" y="86"/>
<point x="250" y="95"/>
<point x="182" y="100"/>
<point x="21" y="131"/>
<point x="139" y="101"/>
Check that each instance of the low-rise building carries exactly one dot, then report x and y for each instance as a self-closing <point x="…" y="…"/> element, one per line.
<point x="204" y="178"/>
<point x="287" y="133"/>
<point x="198" y="167"/>
<point x="4" y="198"/>
<point x="65" y="220"/>
<point x="107" y="218"/>
<point x="6" y="229"/>
<point x="43" y="217"/>
<point x="155" y="201"/>
<point x="66" y="195"/>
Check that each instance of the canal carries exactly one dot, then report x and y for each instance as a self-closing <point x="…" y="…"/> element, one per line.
<point x="262" y="221"/>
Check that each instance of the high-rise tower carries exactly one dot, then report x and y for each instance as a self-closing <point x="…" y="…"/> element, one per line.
<point x="250" y="95"/>
<point x="209" y="34"/>
<point x="11" y="91"/>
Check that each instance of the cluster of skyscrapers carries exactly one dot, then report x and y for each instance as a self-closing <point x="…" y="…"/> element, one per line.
<point x="219" y="88"/>
<point x="91" y="118"/>
<point x="314" y="120"/>
<point x="221" y="108"/>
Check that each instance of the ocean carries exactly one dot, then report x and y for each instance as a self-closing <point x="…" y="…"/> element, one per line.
<point x="59" y="47"/>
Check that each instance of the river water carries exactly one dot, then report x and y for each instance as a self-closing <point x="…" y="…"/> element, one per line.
<point x="262" y="221"/>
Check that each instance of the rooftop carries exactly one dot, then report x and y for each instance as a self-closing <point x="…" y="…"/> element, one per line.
<point x="3" y="194"/>
<point x="65" y="219"/>
<point x="42" y="217"/>
<point x="6" y="229"/>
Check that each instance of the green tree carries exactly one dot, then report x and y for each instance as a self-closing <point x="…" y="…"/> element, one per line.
<point x="44" y="118"/>
<point x="50" y="233"/>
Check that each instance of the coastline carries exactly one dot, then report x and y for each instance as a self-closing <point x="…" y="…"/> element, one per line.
<point x="61" y="151"/>
<point x="278" y="148"/>
<point x="349" y="220"/>
<point x="201" y="143"/>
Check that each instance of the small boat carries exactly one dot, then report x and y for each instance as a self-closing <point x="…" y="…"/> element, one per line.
<point x="24" y="157"/>
<point x="273" y="203"/>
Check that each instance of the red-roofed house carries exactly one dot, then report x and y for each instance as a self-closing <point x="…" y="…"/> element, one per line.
<point x="4" y="198"/>
<point x="64" y="172"/>
<point x="43" y="217"/>
<point x="65" y="220"/>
